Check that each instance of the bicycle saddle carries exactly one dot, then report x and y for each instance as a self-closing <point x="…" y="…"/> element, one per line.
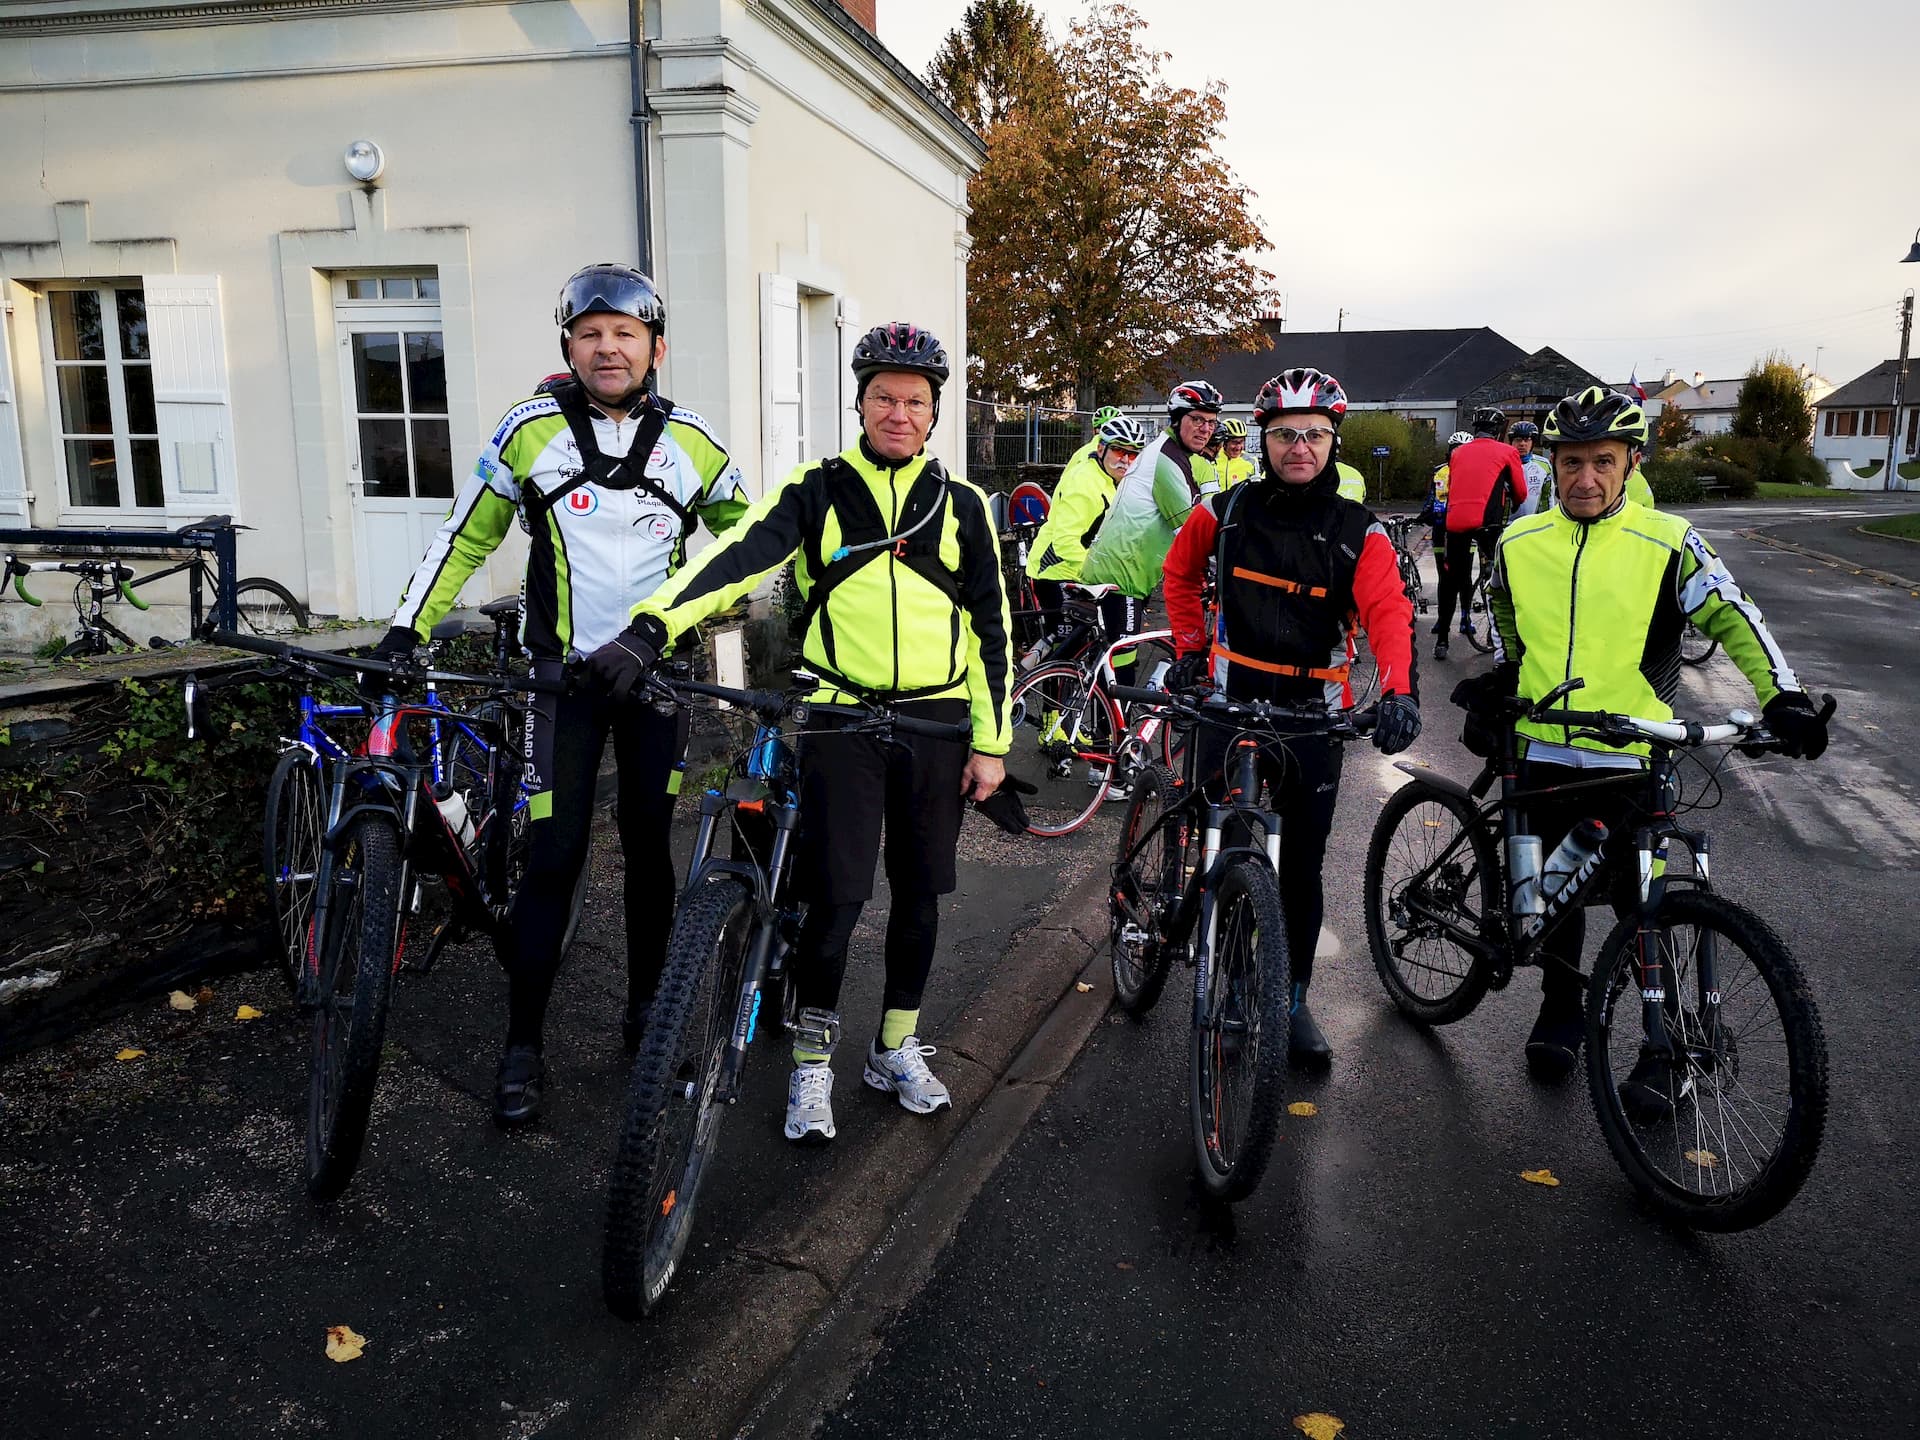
<point x="499" y="609"/>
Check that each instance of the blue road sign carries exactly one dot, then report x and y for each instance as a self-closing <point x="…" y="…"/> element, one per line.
<point x="1383" y="450"/>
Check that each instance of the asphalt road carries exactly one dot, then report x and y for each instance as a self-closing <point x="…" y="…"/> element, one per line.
<point x="1394" y="1271"/>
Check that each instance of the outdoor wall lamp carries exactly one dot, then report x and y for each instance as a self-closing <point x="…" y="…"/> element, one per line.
<point x="365" y="162"/>
<point x="1913" y="255"/>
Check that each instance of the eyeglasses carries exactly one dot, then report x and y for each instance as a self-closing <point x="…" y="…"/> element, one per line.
<point x="1314" y="435"/>
<point x="916" y="408"/>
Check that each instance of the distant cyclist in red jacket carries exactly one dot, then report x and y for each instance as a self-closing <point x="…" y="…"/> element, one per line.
<point x="1296" y="564"/>
<point x="1486" y="479"/>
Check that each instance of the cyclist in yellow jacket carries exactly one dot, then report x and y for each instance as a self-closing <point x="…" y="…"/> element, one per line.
<point x="1233" y="465"/>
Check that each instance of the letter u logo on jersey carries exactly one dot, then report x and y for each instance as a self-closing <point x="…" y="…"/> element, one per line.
<point x="582" y="501"/>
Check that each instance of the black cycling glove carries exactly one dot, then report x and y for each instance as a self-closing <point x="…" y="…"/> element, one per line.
<point x="1480" y="696"/>
<point x="1398" y="725"/>
<point x="1005" y="808"/>
<point x="397" y="645"/>
<point x="1799" y="726"/>
<point x="1189" y="672"/>
<point x="626" y="660"/>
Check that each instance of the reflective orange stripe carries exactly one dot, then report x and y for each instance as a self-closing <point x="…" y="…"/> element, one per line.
<point x="1270" y="668"/>
<point x="1292" y="587"/>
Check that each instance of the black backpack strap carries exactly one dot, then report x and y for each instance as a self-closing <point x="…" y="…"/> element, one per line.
<point x="625" y="472"/>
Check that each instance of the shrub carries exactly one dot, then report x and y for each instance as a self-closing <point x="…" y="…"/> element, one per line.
<point x="1403" y="473"/>
<point x="1672" y="480"/>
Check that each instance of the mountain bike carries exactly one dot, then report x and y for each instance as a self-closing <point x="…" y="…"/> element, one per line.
<point x="1195" y="880"/>
<point x="732" y="930"/>
<point x="1405" y="532"/>
<point x="1071" y="739"/>
<point x="1694" y="1001"/>
<point x="1021" y="515"/>
<point x="382" y="827"/>
<point x="262" y="606"/>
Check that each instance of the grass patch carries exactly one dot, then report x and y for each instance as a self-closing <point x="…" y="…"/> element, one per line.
<point x="1900" y="527"/>
<point x="1773" y="490"/>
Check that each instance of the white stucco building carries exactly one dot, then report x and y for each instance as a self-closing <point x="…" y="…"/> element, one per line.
<point x="205" y="312"/>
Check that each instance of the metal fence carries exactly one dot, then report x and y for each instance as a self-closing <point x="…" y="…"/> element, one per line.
<point x="1006" y="441"/>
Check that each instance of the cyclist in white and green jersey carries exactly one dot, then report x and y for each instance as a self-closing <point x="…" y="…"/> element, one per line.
<point x="604" y="533"/>
<point x="1152" y="501"/>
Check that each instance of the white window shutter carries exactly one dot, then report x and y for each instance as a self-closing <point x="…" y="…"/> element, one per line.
<point x="779" y="378"/>
<point x="13" y="470"/>
<point x="190" y="393"/>
<point x="850" y="333"/>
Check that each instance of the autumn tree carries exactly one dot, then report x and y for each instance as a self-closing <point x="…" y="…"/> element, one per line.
<point x="997" y="57"/>
<point x="1107" y="232"/>
<point x="1773" y="404"/>
<point x="1671" y="428"/>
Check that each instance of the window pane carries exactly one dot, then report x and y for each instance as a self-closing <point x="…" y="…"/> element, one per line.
<point x="383" y="458"/>
<point x="139" y="383"/>
<point x="85" y="408"/>
<point x="432" y="460"/>
<point x="426" y="373"/>
<point x="429" y="287"/>
<point x="146" y="473"/>
<point x="363" y="288"/>
<point x="92" y="476"/>
<point x="76" y="325"/>
<point x="397" y="287"/>
<point x="132" y="305"/>
<point x="376" y="373"/>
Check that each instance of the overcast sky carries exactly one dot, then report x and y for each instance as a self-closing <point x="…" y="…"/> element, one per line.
<point x="1685" y="185"/>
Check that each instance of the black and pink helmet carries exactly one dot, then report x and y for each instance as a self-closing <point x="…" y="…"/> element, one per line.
<point x="900" y="345"/>
<point x="1300" y="389"/>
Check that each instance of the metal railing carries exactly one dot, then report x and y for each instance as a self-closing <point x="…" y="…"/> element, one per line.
<point x="1006" y="441"/>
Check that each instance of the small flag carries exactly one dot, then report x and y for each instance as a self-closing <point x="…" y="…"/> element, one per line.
<point x="1633" y="384"/>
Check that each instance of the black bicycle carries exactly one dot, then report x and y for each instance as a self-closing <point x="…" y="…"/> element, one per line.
<point x="1706" y="1061"/>
<point x="1195" y="880"/>
<point x="732" y="931"/>
<point x="384" y="827"/>
<point x="1405" y="532"/>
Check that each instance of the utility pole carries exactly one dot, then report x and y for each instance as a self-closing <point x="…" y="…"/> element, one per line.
<point x="1340" y="324"/>
<point x="1899" y="386"/>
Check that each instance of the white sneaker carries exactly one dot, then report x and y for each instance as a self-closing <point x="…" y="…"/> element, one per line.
<point x="810" y="1104"/>
<point x="905" y="1073"/>
<point x="1117" y="791"/>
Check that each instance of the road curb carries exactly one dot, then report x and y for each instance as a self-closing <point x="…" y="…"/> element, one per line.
<point x="879" y="1218"/>
<point x="1884" y="577"/>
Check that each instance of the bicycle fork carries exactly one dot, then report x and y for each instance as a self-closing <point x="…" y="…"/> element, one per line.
<point x="760" y="953"/>
<point x="1654" y="970"/>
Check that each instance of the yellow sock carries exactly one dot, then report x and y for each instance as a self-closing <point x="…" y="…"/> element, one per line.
<point x="896" y="1026"/>
<point x="804" y="1056"/>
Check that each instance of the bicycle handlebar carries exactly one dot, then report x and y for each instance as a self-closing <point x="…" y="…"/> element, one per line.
<point x="770" y="705"/>
<point x="1217" y="709"/>
<point x="1740" y="725"/>
<point x="347" y="664"/>
<point x="93" y="571"/>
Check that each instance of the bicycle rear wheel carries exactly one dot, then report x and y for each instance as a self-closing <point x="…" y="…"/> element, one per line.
<point x="1695" y="648"/>
<point x="1145" y="889"/>
<point x="1722" y="1136"/>
<point x="1239" y="1051"/>
<point x="672" y="1123"/>
<point x="266" y="607"/>
<point x="356" y="982"/>
<point x="290" y="841"/>
<point x="1481" y="613"/>
<point x="1065" y="730"/>
<point x="1430" y="866"/>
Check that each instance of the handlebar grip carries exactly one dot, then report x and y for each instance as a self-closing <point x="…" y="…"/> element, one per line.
<point x="932" y="729"/>
<point x="1138" y="694"/>
<point x="20" y="574"/>
<point x="124" y="577"/>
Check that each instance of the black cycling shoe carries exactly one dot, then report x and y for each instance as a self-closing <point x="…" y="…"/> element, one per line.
<point x="1440" y="648"/>
<point x="632" y="1028"/>
<point x="1554" y="1045"/>
<point x="1647" y="1093"/>
<point x="519" y="1087"/>
<point x="1307" y="1047"/>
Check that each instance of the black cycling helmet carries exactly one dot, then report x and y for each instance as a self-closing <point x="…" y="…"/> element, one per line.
<point x="1489" y="421"/>
<point x="1194" y="395"/>
<point x="900" y="345"/>
<point x="1597" y="413"/>
<point x="610" y="288"/>
<point x="1525" y="430"/>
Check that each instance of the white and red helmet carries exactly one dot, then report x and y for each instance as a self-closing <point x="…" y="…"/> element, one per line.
<point x="1194" y="395"/>
<point x="1300" y="389"/>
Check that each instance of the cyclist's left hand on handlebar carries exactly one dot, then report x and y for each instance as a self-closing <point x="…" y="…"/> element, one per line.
<point x="981" y="777"/>
<point x="627" y="659"/>
<point x="1398" y="725"/>
<point x="1189" y="672"/>
<point x="1797" y="724"/>
<point x="396" y="647"/>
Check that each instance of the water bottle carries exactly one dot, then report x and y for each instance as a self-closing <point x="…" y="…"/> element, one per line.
<point x="1574" y="854"/>
<point x="1158" y="680"/>
<point x="1523" y="876"/>
<point x="453" y="809"/>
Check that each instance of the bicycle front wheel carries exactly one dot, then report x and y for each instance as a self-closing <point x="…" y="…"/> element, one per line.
<point x="1722" y="1135"/>
<point x="1065" y="732"/>
<point x="1480" y="635"/>
<point x="350" y="1018"/>
<point x="290" y="838"/>
<point x="266" y="607"/>
<point x="1430" y="871"/>
<point x="1695" y="648"/>
<point x="1146" y="885"/>
<point x="672" y="1123"/>
<point x="1239" y="1051"/>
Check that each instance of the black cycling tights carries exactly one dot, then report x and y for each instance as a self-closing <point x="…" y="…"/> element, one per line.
<point x="820" y="961"/>
<point x="1456" y="575"/>
<point x="566" y="737"/>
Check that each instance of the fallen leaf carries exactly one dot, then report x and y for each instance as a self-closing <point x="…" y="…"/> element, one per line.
<point x="204" y="995"/>
<point x="129" y="1054"/>
<point x="180" y="1000"/>
<point x="343" y="1345"/>
<point x="1705" y="1159"/>
<point x="1318" y="1426"/>
<point x="247" y="1012"/>
<point x="1123" y="1265"/>
<point x="1303" y="1107"/>
<point x="1538" y="1177"/>
<point x="1082" y="986"/>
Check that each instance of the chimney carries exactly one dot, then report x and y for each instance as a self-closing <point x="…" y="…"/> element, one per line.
<point x="1699" y="378"/>
<point x="862" y="10"/>
<point x="1671" y="376"/>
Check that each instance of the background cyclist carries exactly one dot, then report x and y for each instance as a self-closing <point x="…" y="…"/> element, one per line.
<point x="1485" y="476"/>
